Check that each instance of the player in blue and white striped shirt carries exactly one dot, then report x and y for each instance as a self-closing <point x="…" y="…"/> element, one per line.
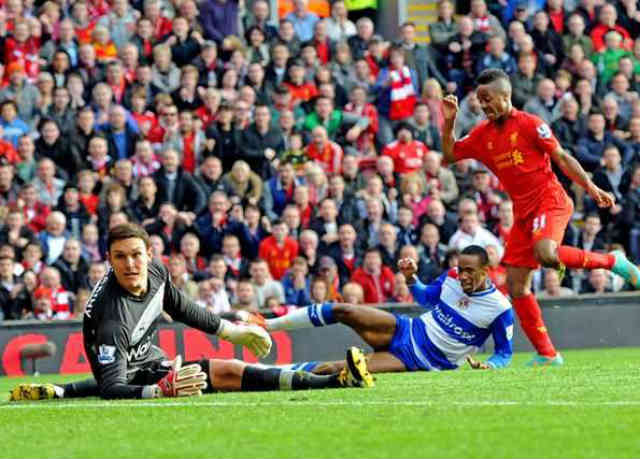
<point x="464" y="308"/>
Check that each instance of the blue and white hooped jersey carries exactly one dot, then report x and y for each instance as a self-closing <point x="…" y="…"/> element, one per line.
<point x="458" y="324"/>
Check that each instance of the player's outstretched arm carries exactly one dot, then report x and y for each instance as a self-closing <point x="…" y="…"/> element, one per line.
<point x="424" y="295"/>
<point x="182" y="309"/>
<point x="450" y="111"/>
<point x="572" y="169"/>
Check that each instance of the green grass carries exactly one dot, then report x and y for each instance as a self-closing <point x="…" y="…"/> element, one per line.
<point x="588" y="408"/>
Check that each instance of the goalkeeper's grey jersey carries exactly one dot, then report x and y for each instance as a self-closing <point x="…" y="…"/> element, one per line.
<point x="119" y="328"/>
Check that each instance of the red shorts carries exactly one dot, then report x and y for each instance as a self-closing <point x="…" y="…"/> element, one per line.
<point x="547" y="220"/>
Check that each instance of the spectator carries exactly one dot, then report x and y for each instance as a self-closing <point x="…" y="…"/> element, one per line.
<point x="339" y="27"/>
<point x="607" y="18"/>
<point x="8" y="186"/>
<point x="440" y="180"/>
<point x="398" y="87"/>
<point x="443" y="31"/>
<point x="419" y="57"/>
<point x="353" y="293"/>
<point x="360" y="41"/>
<point x="590" y="147"/>
<point x="424" y="130"/>
<point x="14" y="298"/>
<point x="376" y="279"/>
<point x="547" y="41"/>
<point x="303" y="20"/>
<point x="180" y="276"/>
<point x="59" y="297"/>
<point x="525" y="81"/>
<point x="496" y="57"/>
<point x="469" y="115"/>
<point x="278" y="250"/>
<point x="72" y="267"/>
<point x="212" y="226"/>
<point x="611" y="177"/>
<point x="471" y="233"/>
<point x="13" y="127"/>
<point x="179" y="187"/>
<point x="407" y="154"/>
<point x="597" y="282"/>
<point x="74" y="211"/>
<point x="575" y="35"/>
<point x="260" y="141"/>
<point x="21" y="91"/>
<point x="325" y="152"/>
<point x="263" y="284"/>
<point x="25" y="164"/>
<point x="278" y="190"/>
<point x="15" y="233"/>
<point x="485" y="21"/>
<point x="54" y="237"/>
<point x="297" y="284"/>
<point x="552" y="286"/>
<point x="243" y="184"/>
<point x="246" y="299"/>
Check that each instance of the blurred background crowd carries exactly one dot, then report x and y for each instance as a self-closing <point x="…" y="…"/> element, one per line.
<point x="282" y="163"/>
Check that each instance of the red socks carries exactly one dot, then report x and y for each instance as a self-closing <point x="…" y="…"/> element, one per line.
<point x="574" y="258"/>
<point x="531" y="322"/>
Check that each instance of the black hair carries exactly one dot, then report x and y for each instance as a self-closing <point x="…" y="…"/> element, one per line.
<point x="489" y="76"/>
<point x="478" y="251"/>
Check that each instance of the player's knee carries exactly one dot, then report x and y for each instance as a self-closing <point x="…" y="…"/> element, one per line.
<point x="546" y="253"/>
<point x="226" y="369"/>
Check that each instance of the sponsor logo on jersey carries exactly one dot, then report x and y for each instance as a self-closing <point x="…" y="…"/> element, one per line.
<point x="140" y="351"/>
<point x="463" y="303"/>
<point x="544" y="132"/>
<point x="106" y="354"/>
<point x="447" y="321"/>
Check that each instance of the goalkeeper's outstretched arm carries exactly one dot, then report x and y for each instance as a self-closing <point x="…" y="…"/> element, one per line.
<point x="184" y="310"/>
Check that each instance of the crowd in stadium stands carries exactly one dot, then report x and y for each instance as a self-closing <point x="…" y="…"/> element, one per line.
<point x="282" y="164"/>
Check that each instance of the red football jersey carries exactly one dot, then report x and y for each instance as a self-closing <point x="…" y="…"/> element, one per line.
<point x="279" y="258"/>
<point x="518" y="151"/>
<point x="407" y="157"/>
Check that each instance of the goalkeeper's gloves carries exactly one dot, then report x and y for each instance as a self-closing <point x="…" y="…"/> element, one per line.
<point x="182" y="381"/>
<point x="252" y="318"/>
<point x="255" y="338"/>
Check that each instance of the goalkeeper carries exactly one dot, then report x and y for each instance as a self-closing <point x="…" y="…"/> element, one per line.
<point x="120" y="322"/>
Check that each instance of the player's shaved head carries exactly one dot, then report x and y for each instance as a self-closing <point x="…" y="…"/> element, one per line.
<point x="494" y="94"/>
<point x="495" y="78"/>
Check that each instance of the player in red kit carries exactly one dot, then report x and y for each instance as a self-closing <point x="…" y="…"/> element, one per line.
<point x="519" y="147"/>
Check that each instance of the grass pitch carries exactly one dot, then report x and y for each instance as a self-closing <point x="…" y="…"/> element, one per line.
<point x="588" y="408"/>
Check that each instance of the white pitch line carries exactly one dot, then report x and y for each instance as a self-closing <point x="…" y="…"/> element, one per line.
<point x="318" y="403"/>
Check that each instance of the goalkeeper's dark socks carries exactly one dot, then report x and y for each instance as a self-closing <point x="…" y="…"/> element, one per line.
<point x="262" y="379"/>
<point x="574" y="258"/>
<point x="531" y="321"/>
<point x="304" y="380"/>
<point x="86" y="388"/>
<point x="316" y="315"/>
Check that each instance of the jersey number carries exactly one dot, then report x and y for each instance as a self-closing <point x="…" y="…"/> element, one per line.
<point x="539" y="223"/>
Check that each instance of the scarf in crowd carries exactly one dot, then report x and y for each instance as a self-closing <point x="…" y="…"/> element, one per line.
<point x="403" y="96"/>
